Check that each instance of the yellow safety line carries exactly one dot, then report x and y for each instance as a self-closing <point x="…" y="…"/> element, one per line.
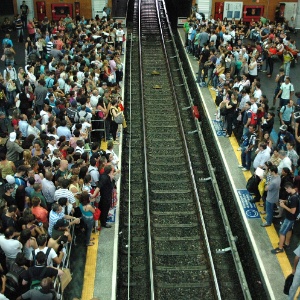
<point x="90" y="269"/>
<point x="273" y="236"/>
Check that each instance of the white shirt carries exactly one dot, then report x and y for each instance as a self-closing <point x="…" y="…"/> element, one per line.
<point x="261" y="157"/>
<point x="254" y="108"/>
<point x="48" y="190"/>
<point x="253" y="72"/>
<point x="51" y="256"/>
<point x="285" y="163"/>
<point x="94" y="100"/>
<point x="45" y="117"/>
<point x="286" y="90"/>
<point x="10" y="247"/>
<point x="33" y="130"/>
<point x="119" y="35"/>
<point x="64" y="193"/>
<point x="257" y="93"/>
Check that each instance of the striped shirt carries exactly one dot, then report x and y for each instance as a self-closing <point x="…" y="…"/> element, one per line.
<point x="64" y="193"/>
<point x="53" y="218"/>
<point x="49" y="47"/>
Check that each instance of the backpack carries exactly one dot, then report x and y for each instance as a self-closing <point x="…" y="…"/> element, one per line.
<point x="71" y="113"/>
<point x="253" y="118"/>
<point x="12" y="281"/>
<point x="252" y="185"/>
<point x="47" y="254"/>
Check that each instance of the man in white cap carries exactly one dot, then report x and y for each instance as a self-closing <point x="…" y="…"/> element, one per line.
<point x="13" y="148"/>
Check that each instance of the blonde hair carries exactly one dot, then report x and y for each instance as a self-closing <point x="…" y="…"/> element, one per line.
<point x="27" y="157"/>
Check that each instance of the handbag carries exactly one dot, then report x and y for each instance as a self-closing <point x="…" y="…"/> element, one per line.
<point x="288" y="283"/>
<point x="65" y="279"/>
<point x="97" y="214"/>
<point x="261" y="186"/>
<point x="119" y="118"/>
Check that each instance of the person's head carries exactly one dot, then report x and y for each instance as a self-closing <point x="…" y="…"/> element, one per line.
<point x="25" y="235"/>
<point x="41" y="258"/>
<point x="84" y="198"/>
<point x="9" y="232"/>
<point x="285" y="171"/>
<point x="287" y="80"/>
<point x="65" y="183"/>
<point x="56" y="208"/>
<point x="63" y="164"/>
<point x="62" y="201"/>
<point x="273" y="169"/>
<point x="251" y="128"/>
<point x="290" y="103"/>
<point x="290" y="146"/>
<point x="289" y="187"/>
<point x="282" y="154"/>
<point x="21" y="259"/>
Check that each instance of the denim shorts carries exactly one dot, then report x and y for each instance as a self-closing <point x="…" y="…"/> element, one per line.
<point x="286" y="226"/>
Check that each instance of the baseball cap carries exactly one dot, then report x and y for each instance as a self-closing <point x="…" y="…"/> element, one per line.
<point x="12" y="136"/>
<point x="283" y="127"/>
<point x="10" y="179"/>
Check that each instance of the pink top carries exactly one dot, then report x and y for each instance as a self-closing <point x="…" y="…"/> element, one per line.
<point x="30" y="28"/>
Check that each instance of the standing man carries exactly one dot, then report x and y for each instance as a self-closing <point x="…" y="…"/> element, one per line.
<point x="291" y="211"/>
<point x="40" y="94"/>
<point x="286" y="92"/>
<point x="286" y="115"/>
<point x="272" y="189"/>
<point x="24" y="13"/>
<point x="247" y="146"/>
<point x="105" y="185"/>
<point x="204" y="56"/>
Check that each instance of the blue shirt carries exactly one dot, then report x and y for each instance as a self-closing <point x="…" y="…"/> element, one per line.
<point x="63" y="130"/>
<point x="23" y="126"/>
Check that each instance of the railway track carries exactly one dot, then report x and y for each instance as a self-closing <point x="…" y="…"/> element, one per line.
<point x="172" y="229"/>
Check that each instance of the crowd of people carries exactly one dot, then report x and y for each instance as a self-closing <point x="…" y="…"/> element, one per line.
<point x="233" y="57"/>
<point x="54" y="113"/>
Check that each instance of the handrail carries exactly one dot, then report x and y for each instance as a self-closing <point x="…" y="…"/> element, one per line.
<point x="129" y="171"/>
<point x="145" y="159"/>
<point x="66" y="262"/>
<point x="230" y="237"/>
<point x="217" y="289"/>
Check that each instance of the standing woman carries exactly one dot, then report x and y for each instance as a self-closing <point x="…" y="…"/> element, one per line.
<point x="31" y="30"/>
<point x="231" y="108"/>
<point x="113" y="125"/>
<point x="9" y="53"/>
<point x="87" y="211"/>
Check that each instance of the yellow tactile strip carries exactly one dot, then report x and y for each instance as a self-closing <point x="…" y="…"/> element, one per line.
<point x="271" y="231"/>
<point x="90" y="269"/>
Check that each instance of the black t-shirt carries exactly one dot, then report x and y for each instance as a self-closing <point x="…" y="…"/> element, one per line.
<point x="7" y="222"/>
<point x="10" y="200"/>
<point x="106" y="187"/>
<point x="291" y="203"/>
<point x="38" y="273"/>
<point x="205" y="55"/>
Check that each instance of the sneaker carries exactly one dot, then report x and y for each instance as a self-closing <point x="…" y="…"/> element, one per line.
<point x="239" y="149"/>
<point x="212" y="88"/>
<point x="277" y="250"/>
<point x="241" y="166"/>
<point x="244" y="169"/>
<point x="264" y="71"/>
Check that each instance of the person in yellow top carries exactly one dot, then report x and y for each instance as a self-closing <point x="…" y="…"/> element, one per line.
<point x="287" y="58"/>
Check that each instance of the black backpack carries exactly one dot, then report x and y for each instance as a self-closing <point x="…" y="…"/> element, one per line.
<point x="12" y="287"/>
<point x="47" y="254"/>
<point x="71" y="114"/>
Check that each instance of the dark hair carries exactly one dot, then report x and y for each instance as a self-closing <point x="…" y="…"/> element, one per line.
<point x="21" y="260"/>
<point x="84" y="198"/>
<point x="289" y="185"/>
<point x="9" y="232"/>
<point x="25" y="235"/>
<point x="273" y="169"/>
<point x="41" y="258"/>
<point x="41" y="239"/>
<point x="62" y="201"/>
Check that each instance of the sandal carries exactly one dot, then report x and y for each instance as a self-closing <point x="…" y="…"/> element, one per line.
<point x="277" y="250"/>
<point x="92" y="239"/>
<point x="90" y="244"/>
<point x="261" y="205"/>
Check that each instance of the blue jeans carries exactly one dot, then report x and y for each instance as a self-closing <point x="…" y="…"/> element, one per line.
<point x="269" y="211"/>
<point x="246" y="158"/>
<point x="286" y="226"/>
<point x="89" y="222"/>
<point x="295" y="285"/>
<point x="287" y="68"/>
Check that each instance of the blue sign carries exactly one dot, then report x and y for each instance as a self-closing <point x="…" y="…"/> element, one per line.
<point x="218" y="125"/>
<point x="249" y="208"/>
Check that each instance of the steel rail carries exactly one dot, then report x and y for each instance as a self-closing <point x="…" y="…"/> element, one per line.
<point x="216" y="284"/>
<point x="129" y="171"/>
<point x="152" y="295"/>
<point x="230" y="237"/>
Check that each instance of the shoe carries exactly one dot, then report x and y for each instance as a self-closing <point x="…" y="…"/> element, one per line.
<point x="278" y="217"/>
<point x="264" y="71"/>
<point x="227" y="135"/>
<point x="262" y="212"/>
<point x="106" y="226"/>
<point x="239" y="149"/>
<point x="286" y="247"/>
<point x="265" y="225"/>
<point x="245" y="169"/>
<point x="241" y="166"/>
<point x="277" y="250"/>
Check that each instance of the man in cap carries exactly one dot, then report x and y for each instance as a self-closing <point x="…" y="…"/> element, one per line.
<point x="284" y="137"/>
<point x="13" y="148"/>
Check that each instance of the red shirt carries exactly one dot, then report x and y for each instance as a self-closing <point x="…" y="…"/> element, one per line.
<point x="40" y="213"/>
